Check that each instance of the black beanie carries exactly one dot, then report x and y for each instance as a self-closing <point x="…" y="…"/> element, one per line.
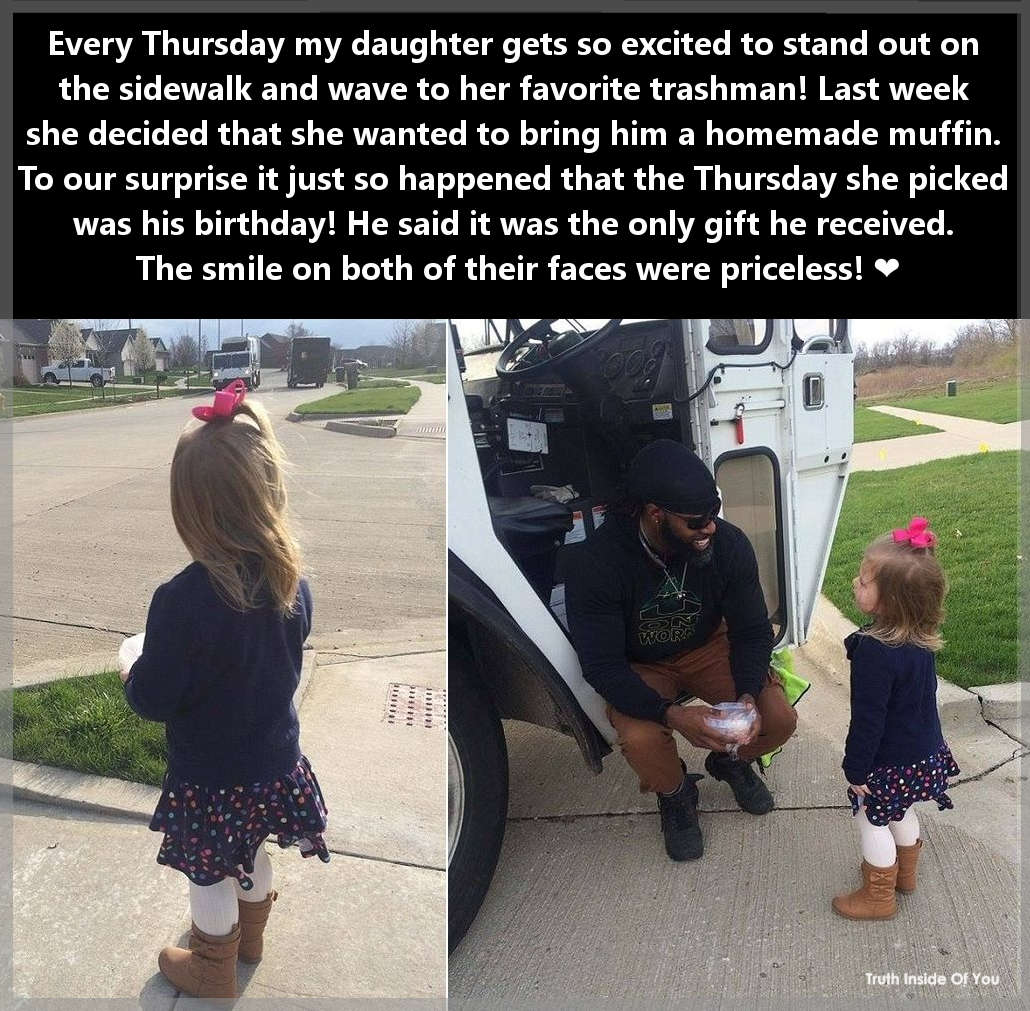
<point x="671" y="476"/>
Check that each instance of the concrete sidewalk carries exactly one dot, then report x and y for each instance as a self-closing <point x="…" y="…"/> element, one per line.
<point x="585" y="904"/>
<point x="958" y="437"/>
<point x="92" y="908"/>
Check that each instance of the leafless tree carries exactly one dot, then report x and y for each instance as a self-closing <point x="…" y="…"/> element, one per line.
<point x="412" y="342"/>
<point x="296" y="329"/>
<point x="184" y="351"/>
<point x="104" y="337"/>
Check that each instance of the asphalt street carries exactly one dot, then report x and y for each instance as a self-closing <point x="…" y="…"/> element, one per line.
<point x="93" y="534"/>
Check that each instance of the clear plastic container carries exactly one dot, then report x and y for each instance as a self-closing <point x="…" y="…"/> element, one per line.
<point x="735" y="721"/>
<point x="130" y="651"/>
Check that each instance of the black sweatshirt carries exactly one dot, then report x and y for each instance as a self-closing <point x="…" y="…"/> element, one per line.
<point x="622" y="606"/>
<point x="894" y="718"/>
<point x="221" y="681"/>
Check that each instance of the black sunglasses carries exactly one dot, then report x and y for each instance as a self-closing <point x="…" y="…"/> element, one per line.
<point x="699" y="522"/>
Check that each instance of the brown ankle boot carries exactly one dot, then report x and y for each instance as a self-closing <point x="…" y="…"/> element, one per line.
<point x="207" y="968"/>
<point x="875" y="900"/>
<point x="253" y="917"/>
<point x="908" y="858"/>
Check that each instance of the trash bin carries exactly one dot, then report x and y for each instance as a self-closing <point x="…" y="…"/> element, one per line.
<point x="352" y="377"/>
<point x="952" y="387"/>
<point x="341" y="373"/>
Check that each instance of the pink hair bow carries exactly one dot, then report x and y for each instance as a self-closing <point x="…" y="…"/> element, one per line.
<point x="226" y="402"/>
<point x="918" y="533"/>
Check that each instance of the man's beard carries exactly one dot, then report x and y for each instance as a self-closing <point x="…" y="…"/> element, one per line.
<point x="683" y="550"/>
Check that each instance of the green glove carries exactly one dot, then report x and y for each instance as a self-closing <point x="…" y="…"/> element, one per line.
<point x="782" y="663"/>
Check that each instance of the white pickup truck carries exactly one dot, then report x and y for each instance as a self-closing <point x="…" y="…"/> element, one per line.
<point x="82" y="370"/>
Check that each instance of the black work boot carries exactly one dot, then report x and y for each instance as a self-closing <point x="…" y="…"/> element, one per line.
<point x="679" y="820"/>
<point x="751" y="793"/>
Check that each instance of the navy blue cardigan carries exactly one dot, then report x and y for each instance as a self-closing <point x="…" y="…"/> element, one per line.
<point x="221" y="681"/>
<point x="894" y="718"/>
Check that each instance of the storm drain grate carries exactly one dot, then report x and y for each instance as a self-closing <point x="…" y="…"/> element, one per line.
<point x="416" y="706"/>
<point x="431" y="429"/>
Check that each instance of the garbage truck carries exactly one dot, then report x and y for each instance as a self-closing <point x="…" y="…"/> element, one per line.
<point x="237" y="359"/>
<point x="308" y="361"/>
<point x="566" y="404"/>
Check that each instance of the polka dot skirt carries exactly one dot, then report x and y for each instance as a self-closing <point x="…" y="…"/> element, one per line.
<point x="895" y="788"/>
<point x="212" y="833"/>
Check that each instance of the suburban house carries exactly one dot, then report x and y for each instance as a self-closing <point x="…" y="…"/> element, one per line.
<point x="113" y="349"/>
<point x="31" y="341"/>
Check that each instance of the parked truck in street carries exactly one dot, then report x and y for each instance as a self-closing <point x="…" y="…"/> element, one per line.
<point x="81" y="370"/>
<point x="308" y="361"/>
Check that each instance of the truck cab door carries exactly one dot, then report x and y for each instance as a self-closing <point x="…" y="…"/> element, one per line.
<point x="775" y="422"/>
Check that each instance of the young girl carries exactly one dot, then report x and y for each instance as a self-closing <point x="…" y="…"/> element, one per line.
<point x="221" y="661"/>
<point x="895" y="755"/>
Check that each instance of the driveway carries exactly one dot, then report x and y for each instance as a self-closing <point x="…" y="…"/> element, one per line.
<point x="93" y="535"/>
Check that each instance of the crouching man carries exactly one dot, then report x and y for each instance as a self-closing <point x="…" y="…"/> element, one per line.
<point x="665" y="600"/>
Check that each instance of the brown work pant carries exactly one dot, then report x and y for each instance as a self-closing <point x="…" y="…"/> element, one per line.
<point x="704" y="673"/>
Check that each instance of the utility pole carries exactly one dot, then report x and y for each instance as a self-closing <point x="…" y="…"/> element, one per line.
<point x="219" y="335"/>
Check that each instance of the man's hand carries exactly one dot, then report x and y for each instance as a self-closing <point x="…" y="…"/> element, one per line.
<point x="690" y="722"/>
<point x="124" y="675"/>
<point x="863" y="789"/>
<point x="756" y="727"/>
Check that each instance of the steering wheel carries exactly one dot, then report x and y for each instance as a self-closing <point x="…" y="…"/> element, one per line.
<point x="530" y="353"/>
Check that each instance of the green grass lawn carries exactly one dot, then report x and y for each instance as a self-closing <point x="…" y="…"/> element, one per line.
<point x="85" y="724"/>
<point x="992" y="402"/>
<point x="871" y="426"/>
<point x="359" y="401"/>
<point x="49" y="400"/>
<point x="379" y="384"/>
<point x="971" y="503"/>
<point x="435" y="377"/>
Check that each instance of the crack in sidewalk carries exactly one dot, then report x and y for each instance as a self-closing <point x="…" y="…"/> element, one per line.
<point x="351" y="657"/>
<point x="567" y="818"/>
<point x="1020" y="752"/>
<point x="67" y="624"/>
<point x="387" y="860"/>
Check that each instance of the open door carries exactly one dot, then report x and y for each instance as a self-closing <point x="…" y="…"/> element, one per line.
<point x="773" y="414"/>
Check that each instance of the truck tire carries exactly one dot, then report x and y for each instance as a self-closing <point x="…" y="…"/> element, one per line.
<point x="96" y="381"/>
<point x="49" y="379"/>
<point x="477" y="791"/>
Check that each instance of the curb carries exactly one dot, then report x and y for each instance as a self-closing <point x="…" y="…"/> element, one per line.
<point x="104" y="794"/>
<point x="374" y="431"/>
<point x="1002" y="702"/>
<point x="329" y="416"/>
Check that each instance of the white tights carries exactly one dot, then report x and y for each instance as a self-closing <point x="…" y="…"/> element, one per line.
<point x="880" y="842"/>
<point x="214" y="907"/>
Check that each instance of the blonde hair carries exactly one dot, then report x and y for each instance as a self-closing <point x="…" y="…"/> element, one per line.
<point x="910" y="588"/>
<point x="229" y="507"/>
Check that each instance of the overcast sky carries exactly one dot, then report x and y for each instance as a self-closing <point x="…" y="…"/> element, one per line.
<point x="352" y="332"/>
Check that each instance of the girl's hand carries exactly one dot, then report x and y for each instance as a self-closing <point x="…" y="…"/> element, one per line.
<point x="863" y="789"/>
